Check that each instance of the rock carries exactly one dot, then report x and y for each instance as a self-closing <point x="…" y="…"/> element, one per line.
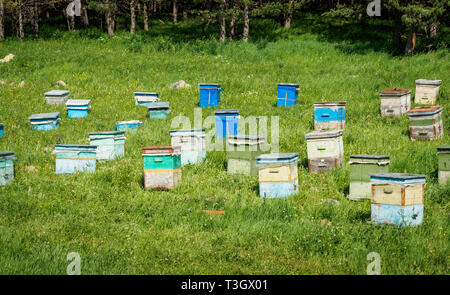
<point x="31" y="169"/>
<point x="11" y="84"/>
<point x="22" y="84"/>
<point x="331" y="201"/>
<point x="48" y="148"/>
<point x="180" y="84"/>
<point x="2" y="82"/>
<point x="61" y="83"/>
<point x="7" y="58"/>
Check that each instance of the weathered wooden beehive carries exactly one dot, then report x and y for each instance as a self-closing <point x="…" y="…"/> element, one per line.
<point x="242" y="152"/>
<point x="278" y="174"/>
<point x="287" y="94"/>
<point x="132" y="125"/>
<point x="209" y="94"/>
<point x="427" y="91"/>
<point x="426" y="123"/>
<point x="78" y="108"/>
<point x="395" y="102"/>
<point x="110" y="144"/>
<point x="6" y="167"/>
<point x="192" y="144"/>
<point x="143" y="98"/>
<point x="2" y="126"/>
<point x="325" y="150"/>
<point x="397" y="198"/>
<point x="44" y="121"/>
<point x="443" y="153"/>
<point x="226" y="123"/>
<point x="329" y="116"/>
<point x="158" y="110"/>
<point x="162" y="167"/>
<point x="361" y="166"/>
<point x="71" y="158"/>
<point x="57" y="96"/>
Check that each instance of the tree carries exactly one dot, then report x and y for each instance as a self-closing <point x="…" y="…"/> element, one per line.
<point x="108" y="8"/>
<point x="2" y="20"/>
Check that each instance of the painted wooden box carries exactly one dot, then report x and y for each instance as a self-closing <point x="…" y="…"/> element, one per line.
<point x="110" y="144"/>
<point x="57" y="96"/>
<point x="395" y="102"/>
<point x="226" y="123"/>
<point x="443" y="154"/>
<point x="192" y="144"/>
<point x="325" y="150"/>
<point x="6" y="167"/>
<point x="71" y="158"/>
<point x="329" y="116"/>
<point x="2" y="127"/>
<point x="209" y="94"/>
<point x="162" y="167"/>
<point x="143" y="98"/>
<point x="278" y="174"/>
<point x="426" y="123"/>
<point x="287" y="94"/>
<point x="131" y="126"/>
<point x="44" y="121"/>
<point x="397" y="198"/>
<point x="242" y="152"/>
<point x="361" y="166"/>
<point x="78" y="108"/>
<point x="158" y="110"/>
<point x="427" y="91"/>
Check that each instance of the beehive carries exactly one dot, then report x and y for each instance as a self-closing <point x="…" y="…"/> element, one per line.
<point x="158" y="110"/>
<point x="443" y="154"/>
<point x="44" y="121"/>
<point x="77" y="108"/>
<point x="329" y="116"/>
<point x="325" y="150"/>
<point x="287" y="94"/>
<point x="226" y="123"/>
<point x="278" y="174"/>
<point x="132" y="125"/>
<point x="57" y="96"/>
<point x="209" y="94"/>
<point x="110" y="144"/>
<point x="427" y="91"/>
<point x="143" y="98"/>
<point x="397" y="198"/>
<point x="2" y="126"/>
<point x="162" y="167"/>
<point x="426" y="123"/>
<point x="71" y="158"/>
<point x="242" y="152"/>
<point x="192" y="144"/>
<point x="6" y="167"/>
<point x="361" y="166"/>
<point x="395" y="102"/>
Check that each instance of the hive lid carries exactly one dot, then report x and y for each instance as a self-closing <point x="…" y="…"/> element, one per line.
<point x="398" y="176"/>
<point x="57" y="93"/>
<point x="443" y="148"/>
<point x="288" y="84"/>
<point x="107" y="133"/>
<point x="428" y="82"/>
<point x="282" y="156"/>
<point x="158" y="105"/>
<point x="395" y="92"/>
<point x="160" y="150"/>
<point x="44" y="116"/>
<point x="75" y="146"/>
<point x="146" y="93"/>
<point x="235" y="111"/>
<point x="324" y="134"/>
<point x="246" y="137"/>
<point x="1" y="124"/>
<point x="330" y="103"/>
<point x="6" y="153"/>
<point x="188" y="130"/>
<point x="419" y="111"/>
<point x="209" y="84"/>
<point x="374" y="157"/>
<point x="77" y="102"/>
<point x="129" y="122"/>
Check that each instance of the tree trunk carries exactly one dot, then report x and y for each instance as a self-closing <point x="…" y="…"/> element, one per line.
<point x="175" y="11"/>
<point x="110" y="23"/>
<point x="246" y="23"/>
<point x="20" y="30"/>
<point x="232" y="22"/>
<point x="145" y="12"/>
<point x="85" y="18"/>
<point x="2" y="21"/>
<point x="47" y="14"/>
<point x="288" y="16"/>
<point x="185" y="11"/>
<point x="411" y="43"/>
<point x="397" y="34"/>
<point x="35" y="18"/>
<point x="133" y="16"/>
<point x="433" y="30"/>
<point x="222" y="21"/>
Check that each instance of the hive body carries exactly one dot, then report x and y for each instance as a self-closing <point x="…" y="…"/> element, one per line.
<point x="427" y="91"/>
<point x="329" y="116"/>
<point x="425" y="123"/>
<point x="242" y="152"/>
<point x="44" y="121"/>
<point x="209" y="94"/>
<point x="110" y="144"/>
<point x="191" y="143"/>
<point x="57" y="96"/>
<point x="395" y="102"/>
<point x="226" y="123"/>
<point x="143" y="98"/>
<point x="78" y="108"/>
<point x="158" y="110"/>
<point x="6" y="167"/>
<point x="443" y="154"/>
<point x="162" y="167"/>
<point x="131" y="126"/>
<point x="73" y="158"/>
<point x="287" y="94"/>
<point x="325" y="150"/>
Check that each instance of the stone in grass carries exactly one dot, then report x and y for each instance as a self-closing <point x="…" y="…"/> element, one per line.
<point x="31" y="169"/>
<point x="61" y="83"/>
<point x="330" y="201"/>
<point x="180" y="84"/>
<point x="22" y="84"/>
<point x="7" y="58"/>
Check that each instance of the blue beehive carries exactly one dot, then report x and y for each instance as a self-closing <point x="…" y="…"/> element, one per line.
<point x="287" y="94"/>
<point x="329" y="116"/>
<point x="132" y="125"/>
<point x="278" y="174"/>
<point x="45" y="121"/>
<point x="226" y="123"/>
<point x="6" y="167"/>
<point x="209" y="94"/>
<point x="2" y="126"/>
<point x="143" y="98"/>
<point x="77" y="108"/>
<point x="71" y="158"/>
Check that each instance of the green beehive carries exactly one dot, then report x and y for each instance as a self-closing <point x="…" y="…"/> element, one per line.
<point x="242" y="152"/>
<point x="360" y="168"/>
<point x="443" y="154"/>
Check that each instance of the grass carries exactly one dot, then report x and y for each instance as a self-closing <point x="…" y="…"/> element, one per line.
<point x="119" y="228"/>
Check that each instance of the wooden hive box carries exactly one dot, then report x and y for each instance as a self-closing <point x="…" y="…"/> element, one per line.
<point x="426" y="123"/>
<point x="6" y="167"/>
<point x="57" y="96"/>
<point x="395" y="102"/>
<point x="158" y="110"/>
<point x="226" y="123"/>
<point x="132" y="125"/>
<point x="325" y="150"/>
<point x="162" y="167"/>
<point x="329" y="116"/>
<point x="78" y="108"/>
<point x="143" y="98"/>
<point x="242" y="152"/>
<point x="71" y="158"/>
<point x="2" y="127"/>
<point x="44" y="121"/>
<point x="427" y="91"/>
<point x="443" y="154"/>
<point x="110" y="144"/>
<point x="361" y="166"/>
<point x="278" y="174"/>
<point x="287" y="94"/>
<point x="192" y="144"/>
<point x="397" y="198"/>
<point x="209" y="94"/>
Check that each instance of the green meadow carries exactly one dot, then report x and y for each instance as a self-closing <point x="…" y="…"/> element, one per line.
<point x="117" y="227"/>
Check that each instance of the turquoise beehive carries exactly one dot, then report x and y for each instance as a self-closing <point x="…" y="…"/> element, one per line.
<point x="111" y="144"/>
<point x="71" y="158"/>
<point x="6" y="167"/>
<point x="44" y="121"/>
